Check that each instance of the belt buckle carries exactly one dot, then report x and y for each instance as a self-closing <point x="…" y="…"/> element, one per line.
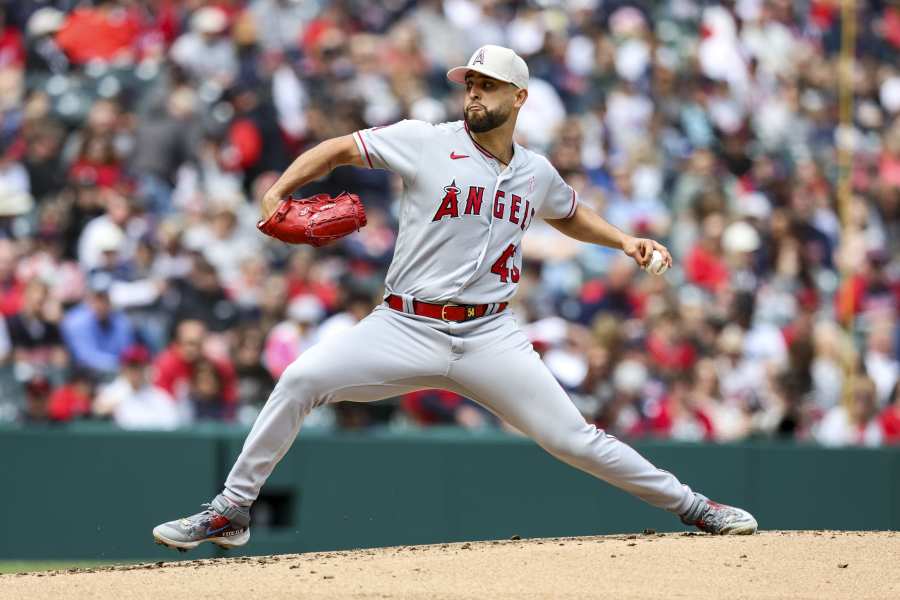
<point x="443" y="311"/>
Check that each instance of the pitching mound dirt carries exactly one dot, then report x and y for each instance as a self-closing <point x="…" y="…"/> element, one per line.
<point x="796" y="564"/>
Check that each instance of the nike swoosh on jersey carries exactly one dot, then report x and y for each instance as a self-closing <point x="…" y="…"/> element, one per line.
<point x="455" y="156"/>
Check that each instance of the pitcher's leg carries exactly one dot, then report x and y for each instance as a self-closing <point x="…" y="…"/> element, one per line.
<point x="510" y="379"/>
<point x="384" y="355"/>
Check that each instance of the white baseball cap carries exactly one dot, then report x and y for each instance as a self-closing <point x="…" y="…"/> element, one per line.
<point x="494" y="61"/>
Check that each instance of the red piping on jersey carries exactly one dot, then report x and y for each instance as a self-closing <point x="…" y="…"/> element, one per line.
<point x="366" y="150"/>
<point x="572" y="212"/>
<point x="479" y="146"/>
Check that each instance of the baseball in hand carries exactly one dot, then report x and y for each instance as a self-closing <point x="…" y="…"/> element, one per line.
<point x="657" y="264"/>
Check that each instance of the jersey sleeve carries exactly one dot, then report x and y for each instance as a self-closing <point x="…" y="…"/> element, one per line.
<point x="397" y="147"/>
<point x="561" y="198"/>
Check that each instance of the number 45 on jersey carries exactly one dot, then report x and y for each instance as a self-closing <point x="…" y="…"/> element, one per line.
<point x="499" y="267"/>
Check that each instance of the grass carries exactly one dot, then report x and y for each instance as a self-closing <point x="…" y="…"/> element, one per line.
<point x="28" y="566"/>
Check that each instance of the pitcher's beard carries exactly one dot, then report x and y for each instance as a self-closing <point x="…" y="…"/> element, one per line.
<point x="485" y="120"/>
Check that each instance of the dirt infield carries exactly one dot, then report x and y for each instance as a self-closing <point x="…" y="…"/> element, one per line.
<point x="792" y="564"/>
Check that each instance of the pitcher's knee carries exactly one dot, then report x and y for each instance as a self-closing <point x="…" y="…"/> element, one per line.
<point x="304" y="386"/>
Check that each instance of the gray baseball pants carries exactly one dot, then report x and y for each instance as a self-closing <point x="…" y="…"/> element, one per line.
<point x="489" y="360"/>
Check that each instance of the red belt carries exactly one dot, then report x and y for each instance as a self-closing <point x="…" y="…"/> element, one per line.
<point x="445" y="312"/>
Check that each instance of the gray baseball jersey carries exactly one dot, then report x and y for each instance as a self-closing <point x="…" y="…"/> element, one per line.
<point x="462" y="213"/>
<point x="462" y="217"/>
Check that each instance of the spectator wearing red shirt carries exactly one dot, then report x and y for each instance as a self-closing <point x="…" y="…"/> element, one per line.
<point x="669" y="346"/>
<point x="12" y="49"/>
<point x="705" y="264"/>
<point x="72" y="400"/>
<point x="677" y="415"/>
<point x="97" y="162"/>
<point x="890" y="418"/>
<point x="304" y="277"/>
<point x="615" y="294"/>
<point x="105" y="32"/>
<point x="12" y="288"/>
<point x="176" y="365"/>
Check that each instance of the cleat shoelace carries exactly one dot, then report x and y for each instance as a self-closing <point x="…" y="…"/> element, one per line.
<point x="200" y="519"/>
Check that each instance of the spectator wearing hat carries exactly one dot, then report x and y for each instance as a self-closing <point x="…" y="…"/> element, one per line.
<point x="280" y="20"/>
<point x="43" y="54"/>
<point x="100" y="245"/>
<point x="292" y="337"/>
<point x="225" y="240"/>
<point x="95" y="333"/>
<point x="134" y="402"/>
<point x="206" y="52"/>
<point x="175" y="366"/>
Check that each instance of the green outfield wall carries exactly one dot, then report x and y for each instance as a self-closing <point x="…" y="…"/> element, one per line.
<point x="92" y="492"/>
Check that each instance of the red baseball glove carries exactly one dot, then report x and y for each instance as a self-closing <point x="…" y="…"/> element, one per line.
<point x="317" y="220"/>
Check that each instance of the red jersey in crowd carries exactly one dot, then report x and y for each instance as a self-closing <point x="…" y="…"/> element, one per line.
<point x="96" y="33"/>
<point x="173" y="374"/>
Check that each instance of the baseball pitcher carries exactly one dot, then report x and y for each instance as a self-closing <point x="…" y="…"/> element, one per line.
<point x="470" y="194"/>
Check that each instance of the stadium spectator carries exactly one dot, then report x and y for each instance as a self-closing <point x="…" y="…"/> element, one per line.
<point x="854" y="424"/>
<point x="890" y="418"/>
<point x="254" y="382"/>
<point x="200" y="296"/>
<point x="34" y="331"/>
<point x="107" y="32"/>
<point x="205" y="394"/>
<point x="37" y="399"/>
<point x="292" y="337"/>
<point x="206" y="52"/>
<point x="133" y="402"/>
<point x="175" y="370"/>
<point x="12" y="288"/>
<point x="94" y="332"/>
<point x="72" y="400"/>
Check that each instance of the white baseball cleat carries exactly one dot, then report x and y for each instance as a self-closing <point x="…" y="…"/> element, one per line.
<point x="719" y="519"/>
<point x="221" y="523"/>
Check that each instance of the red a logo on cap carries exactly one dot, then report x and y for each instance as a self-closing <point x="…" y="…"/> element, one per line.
<point x="479" y="58"/>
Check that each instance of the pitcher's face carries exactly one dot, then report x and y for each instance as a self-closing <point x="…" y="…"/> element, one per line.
<point x="489" y="102"/>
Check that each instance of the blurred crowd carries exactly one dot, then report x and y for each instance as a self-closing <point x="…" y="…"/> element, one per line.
<point x="137" y="136"/>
